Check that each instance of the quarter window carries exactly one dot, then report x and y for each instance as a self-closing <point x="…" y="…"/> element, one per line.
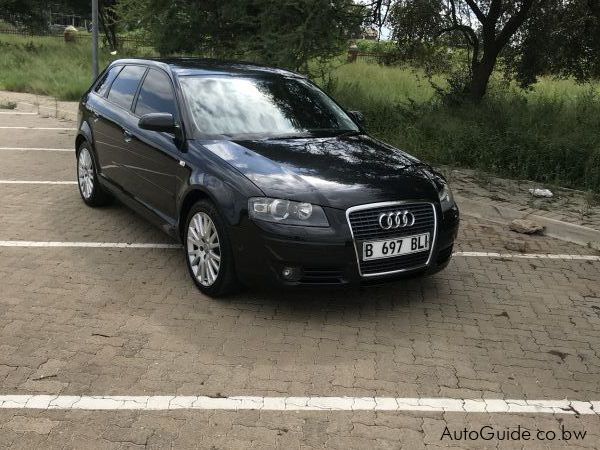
<point x="107" y="79"/>
<point x="156" y="95"/>
<point x="124" y="87"/>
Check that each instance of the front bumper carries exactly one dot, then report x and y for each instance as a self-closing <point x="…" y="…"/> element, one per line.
<point x="326" y="256"/>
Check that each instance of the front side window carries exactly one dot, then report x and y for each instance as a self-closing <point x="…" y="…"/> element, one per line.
<point x="125" y="85"/>
<point x="261" y="107"/>
<point x="156" y="95"/>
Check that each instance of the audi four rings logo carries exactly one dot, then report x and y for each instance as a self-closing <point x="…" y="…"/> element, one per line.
<point x="396" y="219"/>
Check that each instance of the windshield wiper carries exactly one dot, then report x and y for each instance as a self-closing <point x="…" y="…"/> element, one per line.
<point x="288" y="136"/>
<point x="346" y="133"/>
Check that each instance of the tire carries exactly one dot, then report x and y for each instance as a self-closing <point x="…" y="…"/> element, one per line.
<point x="87" y="178"/>
<point x="202" y="256"/>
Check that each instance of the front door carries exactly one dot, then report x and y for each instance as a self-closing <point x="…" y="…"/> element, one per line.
<point x="153" y="157"/>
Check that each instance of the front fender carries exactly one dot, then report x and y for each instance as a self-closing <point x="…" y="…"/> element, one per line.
<point x="229" y="195"/>
<point x="208" y="176"/>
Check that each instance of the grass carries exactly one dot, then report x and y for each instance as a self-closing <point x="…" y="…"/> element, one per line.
<point x="8" y="105"/>
<point x="47" y="65"/>
<point x="550" y="134"/>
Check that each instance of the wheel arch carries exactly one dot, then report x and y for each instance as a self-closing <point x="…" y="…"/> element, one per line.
<point x="193" y="196"/>
<point x="84" y="134"/>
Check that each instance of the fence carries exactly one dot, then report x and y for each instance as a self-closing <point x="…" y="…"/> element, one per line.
<point x="143" y="47"/>
<point x="355" y="55"/>
<point x="125" y="43"/>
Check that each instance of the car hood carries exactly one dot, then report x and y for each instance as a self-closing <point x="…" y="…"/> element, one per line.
<point x="338" y="172"/>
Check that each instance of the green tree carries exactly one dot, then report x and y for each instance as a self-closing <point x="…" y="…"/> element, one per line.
<point x="533" y="37"/>
<point x="288" y="33"/>
<point x="487" y="27"/>
<point x="562" y="39"/>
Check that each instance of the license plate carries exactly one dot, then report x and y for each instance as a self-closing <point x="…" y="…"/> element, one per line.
<point x="395" y="247"/>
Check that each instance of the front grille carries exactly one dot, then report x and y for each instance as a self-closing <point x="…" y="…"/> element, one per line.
<point x="364" y="222"/>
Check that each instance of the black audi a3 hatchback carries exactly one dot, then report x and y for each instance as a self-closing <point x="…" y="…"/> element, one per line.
<point x="261" y="175"/>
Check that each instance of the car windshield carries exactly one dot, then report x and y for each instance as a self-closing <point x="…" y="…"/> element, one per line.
<point x="261" y="108"/>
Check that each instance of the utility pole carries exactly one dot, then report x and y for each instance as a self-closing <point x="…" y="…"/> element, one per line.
<point x="95" y="38"/>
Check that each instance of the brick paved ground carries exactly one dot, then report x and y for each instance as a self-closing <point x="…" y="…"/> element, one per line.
<point x="129" y="322"/>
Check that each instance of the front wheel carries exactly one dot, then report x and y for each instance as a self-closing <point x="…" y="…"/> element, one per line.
<point x="87" y="178"/>
<point x="209" y="255"/>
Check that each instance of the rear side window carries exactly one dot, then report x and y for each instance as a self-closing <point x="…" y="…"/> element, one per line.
<point x="125" y="85"/>
<point x="107" y="79"/>
<point x="156" y="95"/>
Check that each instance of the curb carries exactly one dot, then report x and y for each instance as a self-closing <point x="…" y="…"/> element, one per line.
<point x="558" y="229"/>
<point x="51" y="111"/>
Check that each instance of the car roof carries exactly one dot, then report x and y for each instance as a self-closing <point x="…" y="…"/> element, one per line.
<point x="201" y="66"/>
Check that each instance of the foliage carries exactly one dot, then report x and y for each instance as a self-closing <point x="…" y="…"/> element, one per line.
<point x="415" y="28"/>
<point x="563" y="38"/>
<point x="534" y="36"/>
<point x="548" y="134"/>
<point x="34" y="14"/>
<point x="287" y="33"/>
<point x="47" y="65"/>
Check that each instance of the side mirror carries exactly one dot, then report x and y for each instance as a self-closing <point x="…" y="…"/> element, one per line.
<point x="358" y="117"/>
<point x="158" y="122"/>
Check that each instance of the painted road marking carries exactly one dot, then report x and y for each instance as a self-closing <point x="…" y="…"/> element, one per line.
<point x="38" y="128"/>
<point x="35" y="182"/>
<point x="86" y="244"/>
<point x="528" y="256"/>
<point x="19" y="113"/>
<point x="44" y="149"/>
<point x="166" y="403"/>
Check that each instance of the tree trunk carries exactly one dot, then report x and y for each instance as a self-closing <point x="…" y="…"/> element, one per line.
<point x="480" y="77"/>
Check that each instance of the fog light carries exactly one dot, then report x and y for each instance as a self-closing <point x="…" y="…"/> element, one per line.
<point x="290" y="273"/>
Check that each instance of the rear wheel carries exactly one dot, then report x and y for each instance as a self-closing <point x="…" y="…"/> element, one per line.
<point x="87" y="178"/>
<point x="209" y="255"/>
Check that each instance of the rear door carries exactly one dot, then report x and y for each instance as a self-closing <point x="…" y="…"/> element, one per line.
<point x="153" y="157"/>
<point x="116" y="122"/>
<point x="98" y="108"/>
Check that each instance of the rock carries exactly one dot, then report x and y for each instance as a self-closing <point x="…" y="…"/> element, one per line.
<point x="70" y="34"/>
<point x="541" y="192"/>
<point x="516" y="246"/>
<point x="526" y="226"/>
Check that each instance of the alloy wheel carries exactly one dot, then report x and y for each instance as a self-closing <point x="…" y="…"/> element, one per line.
<point x="85" y="173"/>
<point x="203" y="248"/>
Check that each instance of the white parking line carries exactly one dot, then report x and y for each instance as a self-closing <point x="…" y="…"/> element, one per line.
<point x="38" y="128"/>
<point x="19" y="113"/>
<point x="166" y="403"/>
<point x="35" y="182"/>
<point x="86" y="244"/>
<point x="528" y="256"/>
<point x="44" y="149"/>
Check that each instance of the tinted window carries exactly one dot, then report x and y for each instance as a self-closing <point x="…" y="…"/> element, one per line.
<point x="123" y="89"/>
<point x="156" y="95"/>
<point x="263" y="106"/>
<point x="107" y="79"/>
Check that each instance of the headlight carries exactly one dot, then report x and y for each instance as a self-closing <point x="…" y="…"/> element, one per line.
<point x="286" y="212"/>
<point x="446" y="198"/>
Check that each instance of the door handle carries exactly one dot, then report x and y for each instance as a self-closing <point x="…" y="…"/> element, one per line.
<point x="127" y="136"/>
